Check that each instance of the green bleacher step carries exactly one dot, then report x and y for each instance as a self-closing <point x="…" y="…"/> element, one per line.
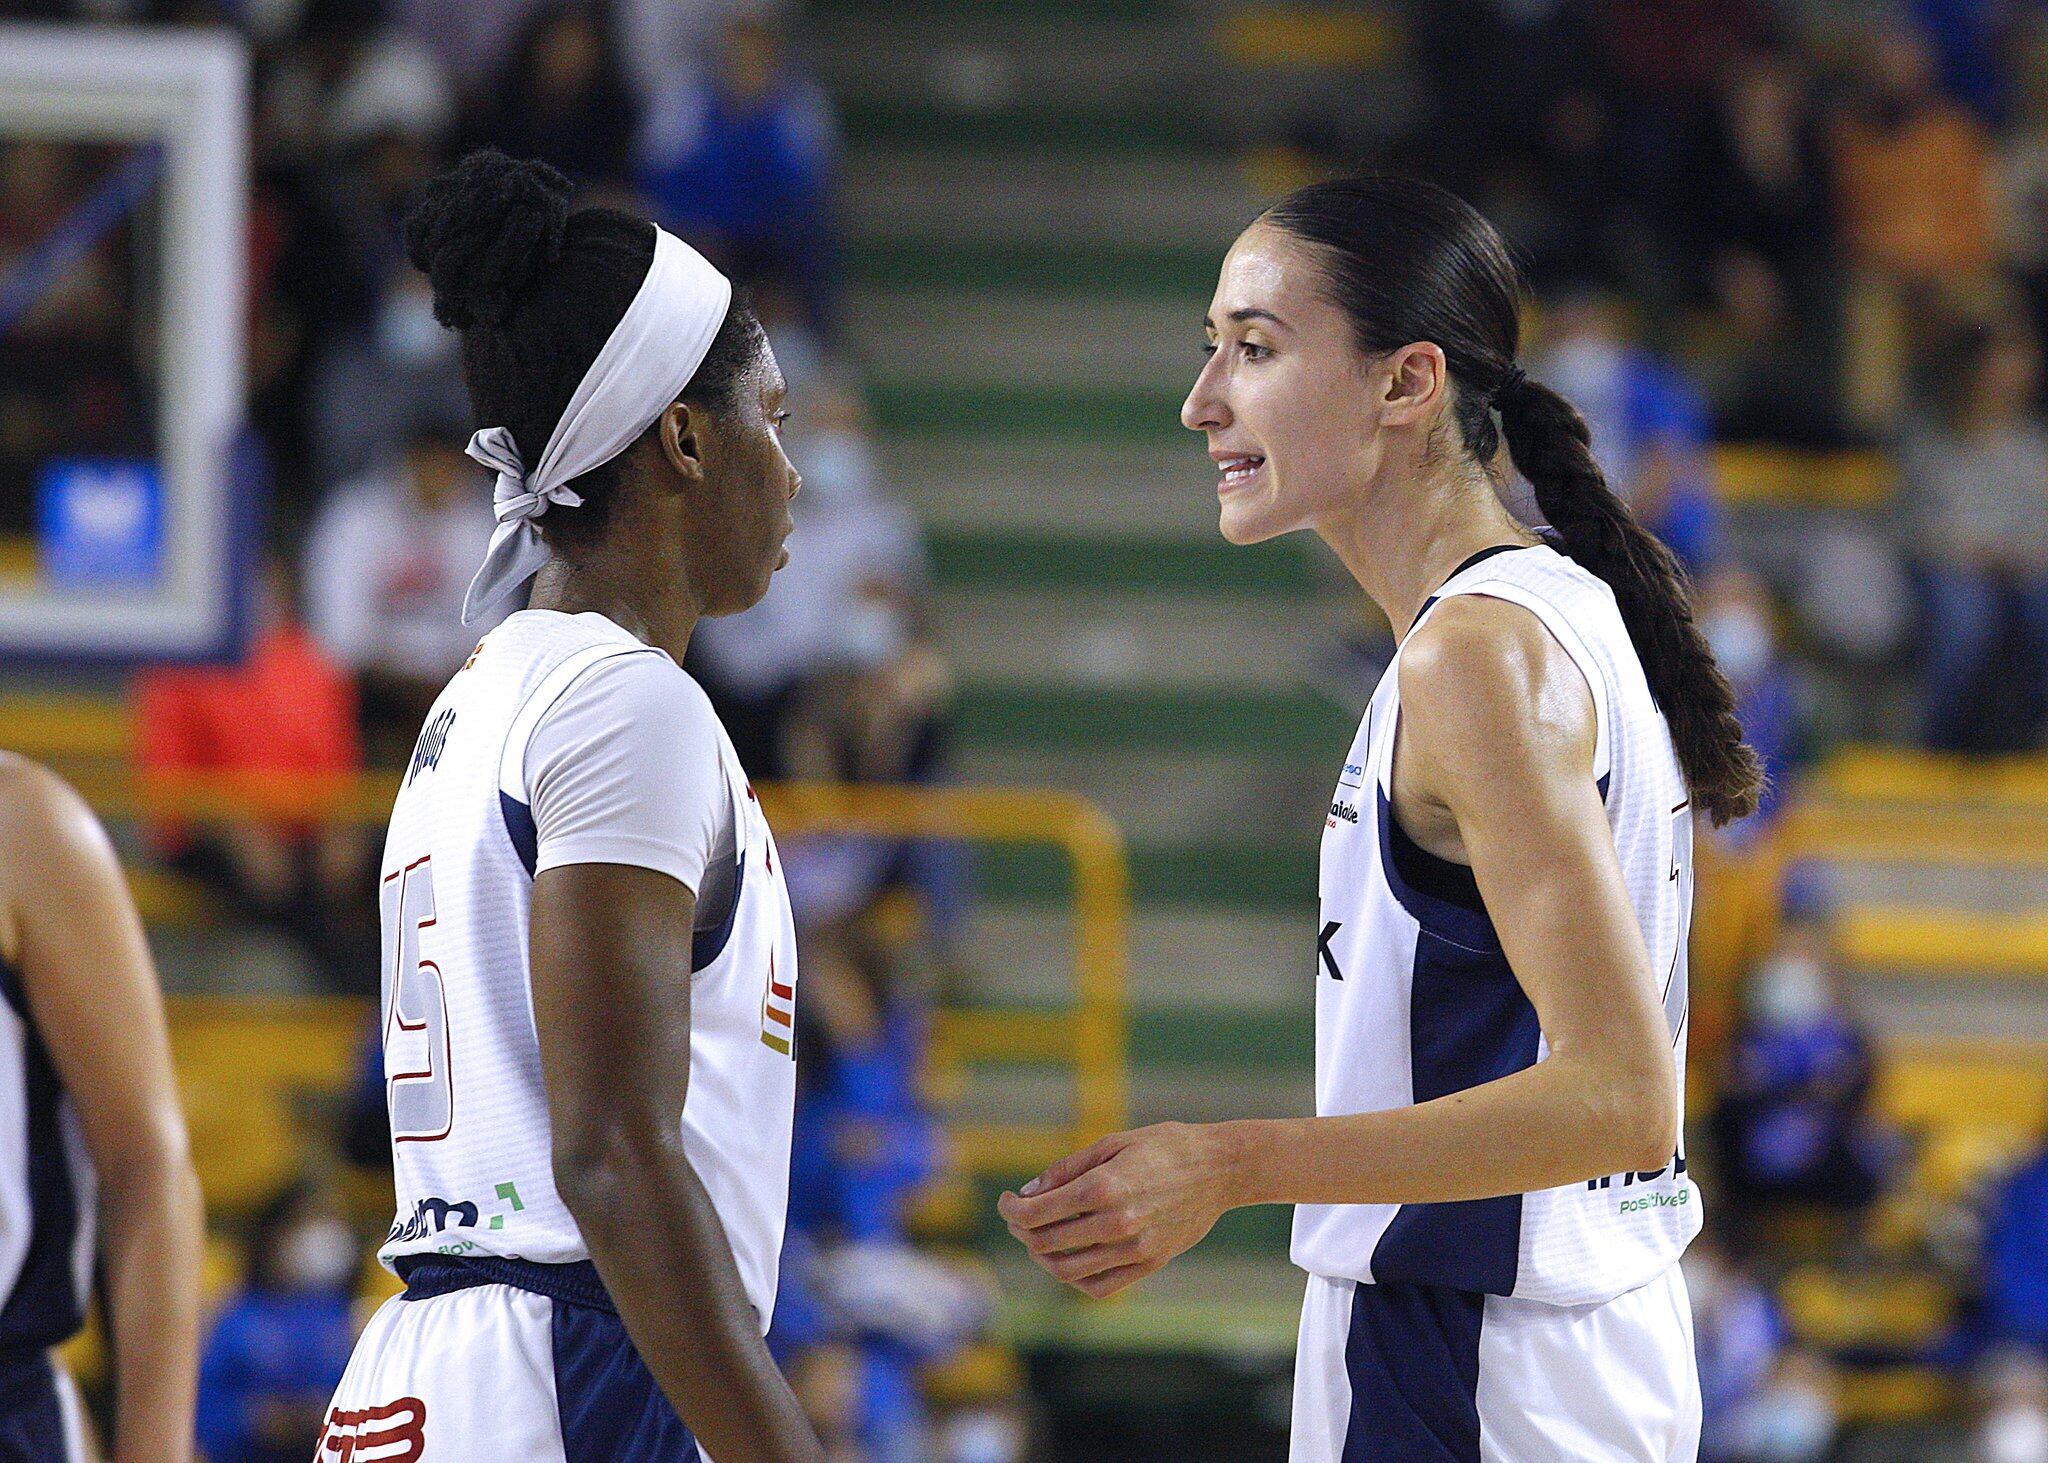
<point x="990" y="10"/>
<point x="911" y="122"/>
<point x="1125" y="563"/>
<point x="1135" y="268"/>
<point x="1253" y="875"/>
<point x="918" y="408"/>
<point x="1256" y="723"/>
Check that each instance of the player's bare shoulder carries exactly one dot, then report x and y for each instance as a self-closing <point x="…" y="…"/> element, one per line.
<point x="1482" y="673"/>
<point x="45" y="828"/>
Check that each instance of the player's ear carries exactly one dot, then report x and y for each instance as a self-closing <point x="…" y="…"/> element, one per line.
<point x="680" y="434"/>
<point x="1415" y="381"/>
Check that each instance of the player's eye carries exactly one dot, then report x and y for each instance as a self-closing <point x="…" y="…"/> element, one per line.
<point x="1209" y="348"/>
<point x="1253" y="351"/>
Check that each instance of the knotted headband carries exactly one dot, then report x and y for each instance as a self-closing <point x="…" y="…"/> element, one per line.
<point x="646" y="362"/>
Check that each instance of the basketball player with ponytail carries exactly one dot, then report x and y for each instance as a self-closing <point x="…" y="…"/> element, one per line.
<point x="1493" y="1197"/>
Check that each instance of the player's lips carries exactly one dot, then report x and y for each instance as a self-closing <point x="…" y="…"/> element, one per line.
<point x="1238" y="468"/>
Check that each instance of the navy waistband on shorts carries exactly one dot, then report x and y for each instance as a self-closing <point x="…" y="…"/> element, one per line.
<point x="575" y="1284"/>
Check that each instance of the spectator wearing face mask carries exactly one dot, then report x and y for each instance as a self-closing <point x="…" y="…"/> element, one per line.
<point x="1649" y="424"/>
<point x="1739" y="619"/>
<point x="2012" y="1409"/>
<point x="389" y="559"/>
<point x="280" y="1346"/>
<point x="1794" y="1122"/>
<point x="1738" y="1333"/>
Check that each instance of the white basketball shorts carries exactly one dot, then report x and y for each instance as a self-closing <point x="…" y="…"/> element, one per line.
<point x="463" y="1367"/>
<point x="1421" y="1374"/>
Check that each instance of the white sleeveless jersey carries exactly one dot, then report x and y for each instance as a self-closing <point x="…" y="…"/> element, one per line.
<point x="566" y="740"/>
<point x="1415" y="1000"/>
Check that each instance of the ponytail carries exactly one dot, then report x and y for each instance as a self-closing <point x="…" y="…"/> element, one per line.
<point x="1550" y="444"/>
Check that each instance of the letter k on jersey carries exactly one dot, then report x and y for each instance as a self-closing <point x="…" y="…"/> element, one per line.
<point x="1323" y="950"/>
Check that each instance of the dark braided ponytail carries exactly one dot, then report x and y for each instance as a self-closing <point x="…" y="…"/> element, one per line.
<point x="1407" y="261"/>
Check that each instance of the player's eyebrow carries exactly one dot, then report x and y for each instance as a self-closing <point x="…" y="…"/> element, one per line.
<point x="1249" y="312"/>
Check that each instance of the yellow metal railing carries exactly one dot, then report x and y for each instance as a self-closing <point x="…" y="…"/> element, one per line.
<point x="1090" y="1037"/>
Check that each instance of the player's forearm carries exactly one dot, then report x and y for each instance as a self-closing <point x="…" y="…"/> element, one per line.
<point x="154" y="1231"/>
<point x="1558" y="1122"/>
<point x="663" y="1255"/>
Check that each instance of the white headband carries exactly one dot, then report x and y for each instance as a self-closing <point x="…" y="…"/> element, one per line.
<point x="649" y="358"/>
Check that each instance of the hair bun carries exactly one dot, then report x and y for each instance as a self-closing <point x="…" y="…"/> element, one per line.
<point x="482" y="231"/>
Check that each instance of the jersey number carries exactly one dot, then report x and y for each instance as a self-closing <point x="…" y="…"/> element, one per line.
<point x="422" y="1095"/>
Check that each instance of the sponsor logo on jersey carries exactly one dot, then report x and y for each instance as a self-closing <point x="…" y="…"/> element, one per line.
<point x="1676" y="1168"/>
<point x="395" y="1432"/>
<point x="426" y="752"/>
<point x="432" y="1216"/>
<point x="1347" y="812"/>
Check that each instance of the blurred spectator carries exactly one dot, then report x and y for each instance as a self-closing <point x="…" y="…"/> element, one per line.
<point x="1978" y="480"/>
<point x="470" y="39"/>
<point x="843" y="602"/>
<point x="2016" y="1256"/>
<point x="1914" y="183"/>
<point x="1759" y="183"/>
<point x="1738" y="1334"/>
<point x="740" y="161"/>
<point x="349" y="76"/>
<point x="1649" y="425"/>
<point x="386" y="568"/>
<point x="2012" y="1402"/>
<point x="2023" y="177"/>
<point x="660" y="39"/>
<point x="286" y="719"/>
<point x="1766" y="373"/>
<point x="1796" y="1419"/>
<point x="562" y="97"/>
<point x="1740" y="621"/>
<point x="280" y="1345"/>
<point x="1793" y="1123"/>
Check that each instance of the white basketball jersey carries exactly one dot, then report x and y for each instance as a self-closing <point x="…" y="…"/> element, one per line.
<point x="1415" y="1000"/>
<point x="566" y="740"/>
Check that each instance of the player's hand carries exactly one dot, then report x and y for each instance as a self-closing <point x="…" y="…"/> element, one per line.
<point x="1119" y="1209"/>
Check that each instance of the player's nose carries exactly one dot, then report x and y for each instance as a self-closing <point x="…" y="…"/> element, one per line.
<point x="1204" y="409"/>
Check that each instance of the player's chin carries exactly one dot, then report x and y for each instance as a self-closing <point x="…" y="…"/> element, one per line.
<point x="1243" y="523"/>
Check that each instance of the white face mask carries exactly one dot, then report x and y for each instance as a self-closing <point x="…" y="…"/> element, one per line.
<point x="1741" y="641"/>
<point x="1792" y="1423"/>
<point x="318" y="1255"/>
<point x="838" y="469"/>
<point x="1789" y="988"/>
<point x="408" y="335"/>
<point x="2016" y="1433"/>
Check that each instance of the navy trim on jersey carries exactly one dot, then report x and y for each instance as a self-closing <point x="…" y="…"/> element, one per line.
<point x="44" y="1308"/>
<point x="1469" y="1022"/>
<point x="1430" y="902"/>
<point x="1440" y="878"/>
<point x="707" y="945"/>
<point x="1479" y="558"/>
<point x="520" y="829"/>
<point x="576" y="1283"/>
<point x="31" y="1411"/>
<point x="1412" y="1354"/>
<point x="606" y="1398"/>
